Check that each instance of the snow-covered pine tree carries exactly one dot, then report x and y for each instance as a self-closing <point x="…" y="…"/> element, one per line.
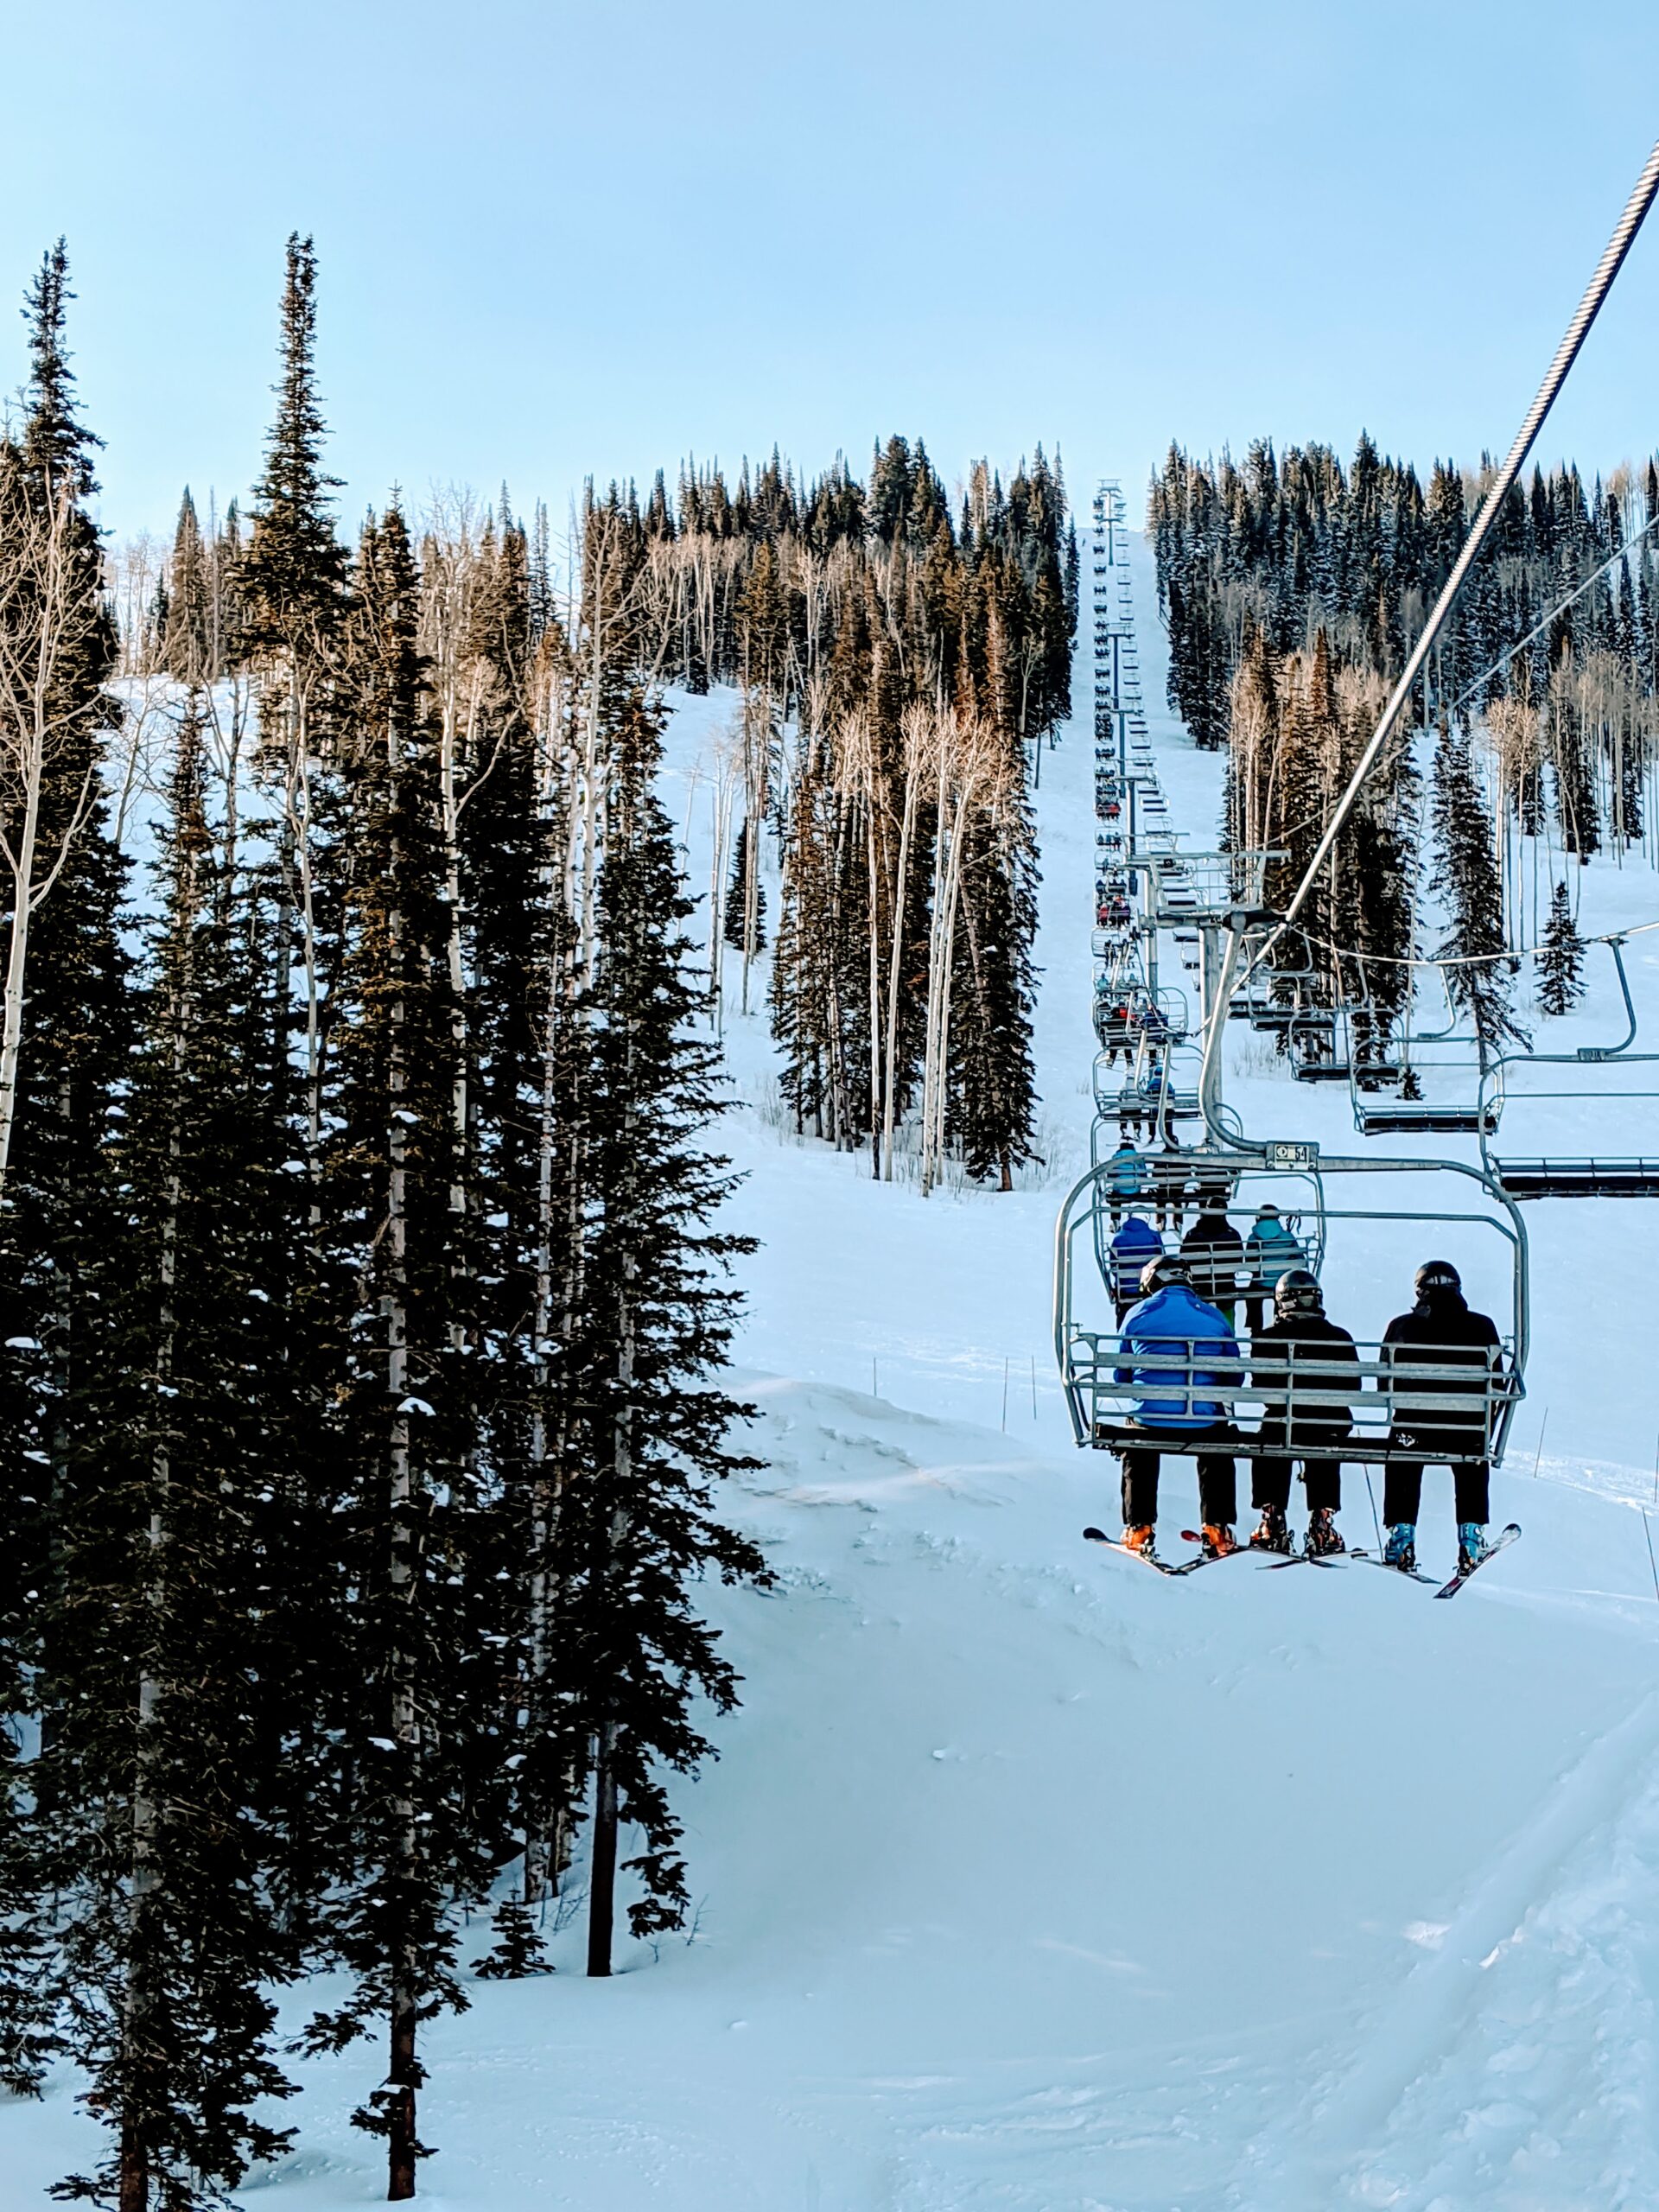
<point x="655" y="1320"/>
<point x="154" y="1795"/>
<point x="512" y="834"/>
<point x="738" y="894"/>
<point x="186" y="635"/>
<point x="68" y="1007"/>
<point x="415" y="1703"/>
<point x="994" y="1092"/>
<point x="1471" y="892"/>
<point x="281" y="604"/>
<point x="290" y="588"/>
<point x="1560" y="961"/>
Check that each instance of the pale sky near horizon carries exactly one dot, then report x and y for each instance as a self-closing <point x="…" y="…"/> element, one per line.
<point x="557" y="241"/>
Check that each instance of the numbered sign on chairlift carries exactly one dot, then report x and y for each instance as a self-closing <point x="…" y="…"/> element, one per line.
<point x="1290" y="1157"/>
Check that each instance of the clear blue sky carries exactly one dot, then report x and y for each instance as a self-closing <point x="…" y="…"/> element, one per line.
<point x="558" y="239"/>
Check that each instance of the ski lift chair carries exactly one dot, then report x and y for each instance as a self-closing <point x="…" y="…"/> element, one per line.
<point x="1459" y="1115"/>
<point x="1420" y="1118"/>
<point x="1103" y="1386"/>
<point x="1599" y="1177"/>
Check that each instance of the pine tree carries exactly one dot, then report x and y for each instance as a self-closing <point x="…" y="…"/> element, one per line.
<point x="992" y="1113"/>
<point x="737" y="890"/>
<point x="186" y="631"/>
<point x="416" y="1615"/>
<point x="292" y="575"/>
<point x="1561" y="963"/>
<point x="1472" y="893"/>
<point x="153" y="1800"/>
<point x="655" y="1317"/>
<point x="68" y="1003"/>
<point x="290" y="588"/>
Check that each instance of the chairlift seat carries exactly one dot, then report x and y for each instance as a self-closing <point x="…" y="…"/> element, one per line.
<point x="1382" y="1400"/>
<point x="1578" y="1178"/>
<point x="1426" y="1117"/>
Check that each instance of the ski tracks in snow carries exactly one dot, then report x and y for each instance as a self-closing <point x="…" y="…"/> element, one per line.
<point x="1518" y="2058"/>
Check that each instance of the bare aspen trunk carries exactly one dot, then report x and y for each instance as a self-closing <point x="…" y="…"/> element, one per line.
<point x="22" y="900"/>
<point x="875" y="987"/>
<point x="449" y="771"/>
<point x="299" y="791"/>
<point x="45" y="620"/>
<point x="840" y="1113"/>
<point x="930" y="1069"/>
<point x="402" y="2070"/>
<point x="894" y="962"/>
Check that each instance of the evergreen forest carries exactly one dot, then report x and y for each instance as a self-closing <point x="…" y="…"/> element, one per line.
<point x="367" y="1295"/>
<point x="1292" y="588"/>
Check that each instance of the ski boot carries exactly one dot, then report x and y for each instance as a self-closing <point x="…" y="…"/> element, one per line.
<point x="1138" y="1538"/>
<point x="1273" y="1536"/>
<point x="1323" y="1536"/>
<point x="1402" y="1551"/>
<point x="1218" y="1540"/>
<point x="1472" y="1545"/>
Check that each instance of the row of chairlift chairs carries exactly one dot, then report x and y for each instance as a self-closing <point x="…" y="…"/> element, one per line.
<point x="1434" y="1203"/>
<point x="1439" y="1083"/>
<point x="1142" y="1028"/>
<point x="1442" y="1082"/>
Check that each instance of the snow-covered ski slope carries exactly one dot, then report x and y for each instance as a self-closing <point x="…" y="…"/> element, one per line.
<point x="1031" y="1879"/>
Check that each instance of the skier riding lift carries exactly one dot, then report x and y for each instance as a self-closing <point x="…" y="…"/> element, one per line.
<point x="1171" y="1321"/>
<point x="1300" y="1346"/>
<point x="1133" y="1249"/>
<point x="1215" y="1250"/>
<point x="1441" y="1330"/>
<point x="1270" y="1250"/>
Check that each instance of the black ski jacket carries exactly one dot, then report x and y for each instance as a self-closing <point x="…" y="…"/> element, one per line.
<point x="1297" y="1341"/>
<point x="1441" y="1330"/>
<point x="1214" y="1251"/>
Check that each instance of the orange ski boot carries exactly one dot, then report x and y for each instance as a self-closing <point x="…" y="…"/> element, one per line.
<point x="1218" y="1540"/>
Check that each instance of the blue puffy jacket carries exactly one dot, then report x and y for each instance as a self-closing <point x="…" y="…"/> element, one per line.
<point x="1272" y="1249"/>
<point x="1168" y="1321"/>
<point x="1128" y="1171"/>
<point x="1135" y="1243"/>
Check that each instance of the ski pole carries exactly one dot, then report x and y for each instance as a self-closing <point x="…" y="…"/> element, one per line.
<point x="1376" y="1523"/>
<point x="1647" y="1530"/>
<point x="1537" y="1457"/>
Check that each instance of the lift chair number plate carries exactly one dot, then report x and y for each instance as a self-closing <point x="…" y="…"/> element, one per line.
<point x="1293" y="1155"/>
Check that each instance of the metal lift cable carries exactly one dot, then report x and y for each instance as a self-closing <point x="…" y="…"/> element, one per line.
<point x="1572" y="599"/>
<point x="1636" y="208"/>
<point x="1566" y="353"/>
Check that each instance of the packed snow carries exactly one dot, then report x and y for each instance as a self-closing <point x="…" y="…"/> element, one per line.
<point x="1025" y="1879"/>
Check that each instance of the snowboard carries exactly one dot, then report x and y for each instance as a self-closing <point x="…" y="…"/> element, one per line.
<point x="1500" y="1542"/>
<point x="1148" y="1559"/>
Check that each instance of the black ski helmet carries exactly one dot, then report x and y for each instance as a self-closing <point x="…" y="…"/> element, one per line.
<point x="1168" y="1267"/>
<point x="1297" y="1291"/>
<point x="1437" y="1275"/>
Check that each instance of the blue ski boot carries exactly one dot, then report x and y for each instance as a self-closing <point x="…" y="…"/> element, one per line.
<point x="1402" y="1551"/>
<point x="1472" y="1545"/>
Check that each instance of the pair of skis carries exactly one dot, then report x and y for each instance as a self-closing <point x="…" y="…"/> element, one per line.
<point x="1501" y="1542"/>
<point x="1206" y="1558"/>
<point x="1504" y="1538"/>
